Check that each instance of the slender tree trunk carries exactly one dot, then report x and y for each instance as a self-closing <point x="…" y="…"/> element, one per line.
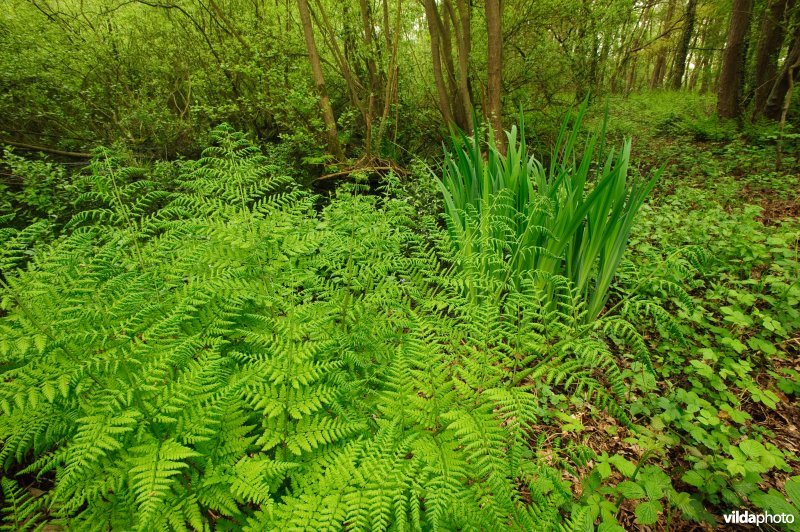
<point x="711" y="43"/>
<point x="769" y="45"/>
<point x="228" y="25"/>
<point x="699" y="67"/>
<point x="683" y="45"/>
<point x="594" y="64"/>
<point x="602" y="58"/>
<point x="787" y="101"/>
<point x="461" y="25"/>
<point x="494" y="32"/>
<point x="660" y="67"/>
<point x="459" y="113"/>
<point x="633" y="51"/>
<point x="777" y="95"/>
<point x="730" y="78"/>
<point x="354" y="87"/>
<point x="319" y="81"/>
<point x="432" y="16"/>
<point x="705" y="77"/>
<point x="621" y="52"/>
<point x="700" y="56"/>
<point x="392" y="42"/>
<point x="372" y="72"/>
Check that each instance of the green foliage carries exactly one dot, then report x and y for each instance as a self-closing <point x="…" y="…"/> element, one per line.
<point x="221" y="354"/>
<point x="21" y="510"/>
<point x="34" y="189"/>
<point x="518" y="217"/>
<point x="203" y="344"/>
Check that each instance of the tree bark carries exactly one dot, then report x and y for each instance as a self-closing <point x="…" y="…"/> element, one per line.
<point x="769" y="46"/>
<point x="683" y="45"/>
<point x="660" y="67"/>
<point x="392" y="42"/>
<point x="632" y="53"/>
<point x="372" y="71"/>
<point x="494" y="32"/>
<point x="777" y="95"/>
<point x="730" y="78"/>
<point x="319" y="81"/>
<point x="432" y="16"/>
<point x="461" y="23"/>
<point x="787" y="101"/>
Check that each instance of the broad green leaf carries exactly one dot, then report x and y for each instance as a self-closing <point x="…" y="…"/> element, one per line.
<point x="630" y="490"/>
<point x="647" y="512"/>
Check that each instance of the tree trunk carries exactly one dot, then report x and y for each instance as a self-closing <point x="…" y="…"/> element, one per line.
<point x="494" y="32"/>
<point x="791" y="69"/>
<point x="644" y="23"/>
<point x="683" y="45"/>
<point x="700" y="56"/>
<point x="432" y="16"/>
<point x="602" y="59"/>
<point x="392" y="42"/>
<point x="769" y="46"/>
<point x="319" y="81"/>
<point x="461" y="23"/>
<point x="459" y="114"/>
<point x="660" y="67"/>
<point x="372" y="71"/>
<point x="777" y="95"/>
<point x="730" y="78"/>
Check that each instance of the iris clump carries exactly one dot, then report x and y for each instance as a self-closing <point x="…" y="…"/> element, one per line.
<point x="510" y="217"/>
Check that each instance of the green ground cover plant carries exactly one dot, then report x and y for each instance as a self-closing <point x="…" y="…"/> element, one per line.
<point x="399" y="265"/>
<point x="207" y="344"/>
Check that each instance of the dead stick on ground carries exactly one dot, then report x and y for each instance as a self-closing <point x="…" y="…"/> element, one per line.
<point x="45" y="149"/>
<point x="354" y="170"/>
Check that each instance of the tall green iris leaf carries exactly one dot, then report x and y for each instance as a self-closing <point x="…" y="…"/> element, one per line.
<point x="509" y="217"/>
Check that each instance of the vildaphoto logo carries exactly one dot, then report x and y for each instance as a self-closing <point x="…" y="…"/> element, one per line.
<point x="750" y="518"/>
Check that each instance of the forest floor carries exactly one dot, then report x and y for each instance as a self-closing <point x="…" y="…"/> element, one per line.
<point x="721" y="189"/>
<point x="708" y="424"/>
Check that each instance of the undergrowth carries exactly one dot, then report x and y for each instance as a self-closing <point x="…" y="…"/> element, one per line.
<point x="204" y="344"/>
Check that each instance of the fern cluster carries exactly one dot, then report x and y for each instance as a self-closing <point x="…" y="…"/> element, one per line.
<point x="223" y="353"/>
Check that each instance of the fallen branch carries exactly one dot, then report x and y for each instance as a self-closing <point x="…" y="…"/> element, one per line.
<point x="45" y="149"/>
<point x="366" y="165"/>
<point x="354" y="170"/>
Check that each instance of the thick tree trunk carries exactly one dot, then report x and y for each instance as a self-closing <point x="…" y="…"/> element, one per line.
<point x="319" y="81"/>
<point x="769" y="45"/>
<point x="494" y="32"/>
<point x="683" y="45"/>
<point x="730" y="78"/>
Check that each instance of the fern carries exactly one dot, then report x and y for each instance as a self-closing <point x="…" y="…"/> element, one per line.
<point x="225" y="352"/>
<point x="21" y="511"/>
